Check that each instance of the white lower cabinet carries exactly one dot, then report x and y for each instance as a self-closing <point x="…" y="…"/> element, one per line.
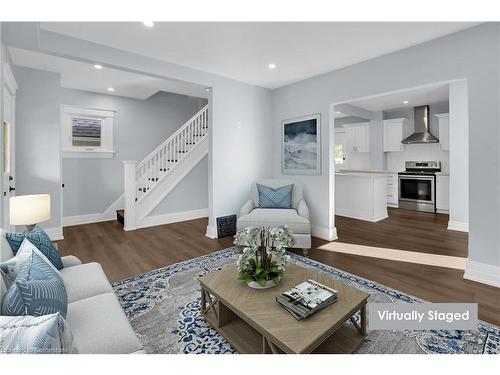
<point x="442" y="194"/>
<point x="392" y="190"/>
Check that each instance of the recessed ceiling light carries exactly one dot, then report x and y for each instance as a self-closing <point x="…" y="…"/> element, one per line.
<point x="338" y="112"/>
<point x="98" y="66"/>
<point x="272" y="66"/>
<point x="148" y="23"/>
<point x="111" y="89"/>
<point x="405" y="102"/>
<point x="207" y="89"/>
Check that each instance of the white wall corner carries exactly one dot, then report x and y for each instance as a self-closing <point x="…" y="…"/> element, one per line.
<point x="174" y="217"/>
<point x="211" y="232"/>
<point x="108" y="215"/>
<point x="327" y="234"/>
<point x="55" y="233"/>
<point x="458" y="225"/>
<point x="482" y="273"/>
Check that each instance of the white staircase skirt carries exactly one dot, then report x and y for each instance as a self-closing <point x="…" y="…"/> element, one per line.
<point x="147" y="183"/>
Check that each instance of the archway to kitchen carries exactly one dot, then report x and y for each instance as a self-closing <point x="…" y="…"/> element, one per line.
<point x="399" y="175"/>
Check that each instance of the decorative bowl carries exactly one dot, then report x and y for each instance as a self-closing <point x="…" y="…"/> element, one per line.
<point x="256" y="285"/>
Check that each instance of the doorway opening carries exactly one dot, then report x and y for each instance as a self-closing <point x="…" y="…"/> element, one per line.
<point x="400" y="175"/>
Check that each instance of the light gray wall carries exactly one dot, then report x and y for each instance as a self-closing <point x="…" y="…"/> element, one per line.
<point x="1" y="131"/>
<point x="459" y="153"/>
<point x="472" y="54"/>
<point x="91" y="185"/>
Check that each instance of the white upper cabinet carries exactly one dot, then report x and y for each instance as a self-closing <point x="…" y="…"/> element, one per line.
<point x="393" y="134"/>
<point x="357" y="137"/>
<point x="444" y="131"/>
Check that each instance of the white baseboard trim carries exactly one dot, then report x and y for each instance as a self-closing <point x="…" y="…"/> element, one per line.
<point x="458" y="225"/>
<point x="367" y="216"/>
<point x="55" y="233"/>
<point x="174" y="217"/>
<point x="482" y="273"/>
<point x="327" y="234"/>
<point x="69" y="221"/>
<point x="108" y="215"/>
<point x="211" y="232"/>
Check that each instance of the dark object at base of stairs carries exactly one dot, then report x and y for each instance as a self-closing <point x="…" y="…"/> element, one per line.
<point x="120" y="216"/>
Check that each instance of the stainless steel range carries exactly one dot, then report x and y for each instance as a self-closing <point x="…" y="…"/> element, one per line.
<point x="417" y="185"/>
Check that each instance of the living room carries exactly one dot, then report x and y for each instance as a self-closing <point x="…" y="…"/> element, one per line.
<point x="149" y="189"/>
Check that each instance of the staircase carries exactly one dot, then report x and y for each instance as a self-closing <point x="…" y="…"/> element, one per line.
<point x="147" y="183"/>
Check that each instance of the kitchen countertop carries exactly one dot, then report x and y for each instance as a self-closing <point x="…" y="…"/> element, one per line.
<point x="366" y="171"/>
<point x="362" y="174"/>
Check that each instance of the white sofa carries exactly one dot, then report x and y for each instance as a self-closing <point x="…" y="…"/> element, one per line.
<point x="95" y="317"/>
<point x="297" y="218"/>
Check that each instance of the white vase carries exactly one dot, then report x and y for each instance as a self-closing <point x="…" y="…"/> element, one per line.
<point x="256" y="285"/>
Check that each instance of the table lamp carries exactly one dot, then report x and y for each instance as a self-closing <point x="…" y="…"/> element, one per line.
<point x="29" y="210"/>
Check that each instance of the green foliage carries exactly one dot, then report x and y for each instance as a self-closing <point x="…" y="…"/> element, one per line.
<point x="255" y="272"/>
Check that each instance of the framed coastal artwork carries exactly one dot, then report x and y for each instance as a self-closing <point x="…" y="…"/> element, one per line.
<point x="301" y="146"/>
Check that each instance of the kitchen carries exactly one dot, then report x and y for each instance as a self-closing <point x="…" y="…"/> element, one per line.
<point x="393" y="151"/>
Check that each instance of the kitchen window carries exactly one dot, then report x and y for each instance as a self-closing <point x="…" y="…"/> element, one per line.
<point x="339" y="154"/>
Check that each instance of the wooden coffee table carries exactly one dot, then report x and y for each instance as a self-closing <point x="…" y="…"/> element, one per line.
<point x="253" y="322"/>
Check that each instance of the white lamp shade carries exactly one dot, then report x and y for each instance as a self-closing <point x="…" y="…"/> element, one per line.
<point x="29" y="209"/>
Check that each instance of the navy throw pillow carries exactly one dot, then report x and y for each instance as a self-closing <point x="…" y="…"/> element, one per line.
<point x="41" y="240"/>
<point x="275" y="198"/>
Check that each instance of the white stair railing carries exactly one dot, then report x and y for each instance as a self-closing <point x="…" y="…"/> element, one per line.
<point x="161" y="161"/>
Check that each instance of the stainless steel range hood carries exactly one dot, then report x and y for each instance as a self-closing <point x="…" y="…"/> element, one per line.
<point x="422" y="126"/>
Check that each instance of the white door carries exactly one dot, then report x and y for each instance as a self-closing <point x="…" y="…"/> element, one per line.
<point x="8" y="147"/>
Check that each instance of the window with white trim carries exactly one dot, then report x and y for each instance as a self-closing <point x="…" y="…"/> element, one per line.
<point x="86" y="132"/>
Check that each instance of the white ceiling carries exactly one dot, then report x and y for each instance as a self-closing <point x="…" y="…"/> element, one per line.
<point x="83" y="76"/>
<point x="415" y="97"/>
<point x="242" y="51"/>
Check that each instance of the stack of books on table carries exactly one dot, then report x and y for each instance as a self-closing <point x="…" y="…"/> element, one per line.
<point x="306" y="298"/>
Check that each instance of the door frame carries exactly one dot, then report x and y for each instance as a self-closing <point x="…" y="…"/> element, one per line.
<point x="9" y="87"/>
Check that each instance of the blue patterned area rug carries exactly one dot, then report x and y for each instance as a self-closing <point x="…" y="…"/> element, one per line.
<point x="163" y="307"/>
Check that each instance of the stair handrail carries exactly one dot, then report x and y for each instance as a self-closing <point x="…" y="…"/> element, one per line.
<point x="169" y="139"/>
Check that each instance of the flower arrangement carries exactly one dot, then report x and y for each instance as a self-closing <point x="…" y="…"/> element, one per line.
<point x="264" y="256"/>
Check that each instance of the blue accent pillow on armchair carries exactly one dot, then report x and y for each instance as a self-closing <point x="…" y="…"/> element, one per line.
<point x="275" y="198"/>
<point x="41" y="240"/>
<point x="37" y="290"/>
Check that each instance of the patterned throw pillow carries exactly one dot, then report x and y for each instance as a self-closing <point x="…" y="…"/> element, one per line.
<point x="37" y="290"/>
<point x="41" y="240"/>
<point x="48" y="334"/>
<point x="275" y="198"/>
<point x="11" y="268"/>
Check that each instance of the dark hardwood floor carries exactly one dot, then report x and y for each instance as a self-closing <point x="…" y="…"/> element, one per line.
<point x="123" y="254"/>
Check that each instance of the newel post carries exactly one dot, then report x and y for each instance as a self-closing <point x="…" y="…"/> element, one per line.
<point x="130" y="191"/>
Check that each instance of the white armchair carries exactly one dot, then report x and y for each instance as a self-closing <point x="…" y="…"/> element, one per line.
<point x="297" y="218"/>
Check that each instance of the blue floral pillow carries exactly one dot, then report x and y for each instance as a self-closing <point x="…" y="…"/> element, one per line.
<point x="37" y="290"/>
<point x="41" y="240"/>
